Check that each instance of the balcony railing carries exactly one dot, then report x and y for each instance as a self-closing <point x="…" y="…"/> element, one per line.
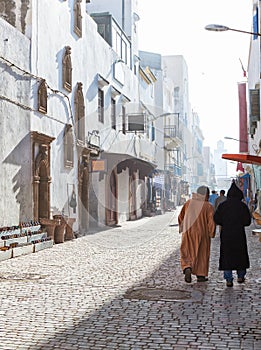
<point x="172" y="132"/>
<point x="174" y="169"/>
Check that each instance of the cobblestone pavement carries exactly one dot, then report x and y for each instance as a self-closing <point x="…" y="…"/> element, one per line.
<point x="122" y="288"/>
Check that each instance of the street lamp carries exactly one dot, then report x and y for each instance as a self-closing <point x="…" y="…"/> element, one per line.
<point x="232" y="138"/>
<point x="221" y="28"/>
<point x="193" y="157"/>
<point x="243" y="145"/>
<point x="163" y="115"/>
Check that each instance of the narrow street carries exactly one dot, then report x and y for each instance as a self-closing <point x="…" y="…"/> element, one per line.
<point x="122" y="288"/>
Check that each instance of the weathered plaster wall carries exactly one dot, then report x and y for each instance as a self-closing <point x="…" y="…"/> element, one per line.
<point x="15" y="160"/>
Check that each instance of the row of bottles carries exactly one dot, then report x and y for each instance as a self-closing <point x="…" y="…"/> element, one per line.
<point x="17" y="244"/>
<point x="40" y="240"/>
<point x="30" y="227"/>
<point x="23" y="229"/>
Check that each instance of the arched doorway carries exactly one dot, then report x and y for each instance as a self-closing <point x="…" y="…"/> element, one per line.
<point x="41" y="175"/>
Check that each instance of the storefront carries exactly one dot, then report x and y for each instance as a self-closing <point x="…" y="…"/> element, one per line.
<point x="250" y="183"/>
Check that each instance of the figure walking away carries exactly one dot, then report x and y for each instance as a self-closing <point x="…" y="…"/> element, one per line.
<point x="198" y="227"/>
<point x="233" y="215"/>
<point x="220" y="199"/>
<point x="213" y="197"/>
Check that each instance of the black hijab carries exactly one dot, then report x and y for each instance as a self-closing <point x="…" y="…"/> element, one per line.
<point x="235" y="192"/>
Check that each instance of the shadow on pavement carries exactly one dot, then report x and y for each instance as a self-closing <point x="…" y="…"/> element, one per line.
<point x="217" y="318"/>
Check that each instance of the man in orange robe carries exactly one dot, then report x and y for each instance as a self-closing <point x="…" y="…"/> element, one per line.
<point x="198" y="227"/>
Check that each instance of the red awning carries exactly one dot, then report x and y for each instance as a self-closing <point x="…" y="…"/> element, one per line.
<point x="243" y="158"/>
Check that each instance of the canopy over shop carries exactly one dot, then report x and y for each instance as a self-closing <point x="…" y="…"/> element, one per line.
<point x="255" y="160"/>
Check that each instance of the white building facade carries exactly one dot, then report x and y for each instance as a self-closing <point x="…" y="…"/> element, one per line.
<point x="253" y="98"/>
<point x="69" y="148"/>
<point x="85" y="116"/>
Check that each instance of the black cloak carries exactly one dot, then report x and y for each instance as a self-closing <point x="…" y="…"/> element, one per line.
<point x="233" y="215"/>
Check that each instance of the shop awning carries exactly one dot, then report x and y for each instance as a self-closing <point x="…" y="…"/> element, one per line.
<point x="243" y="158"/>
<point x="145" y="167"/>
<point x="122" y="161"/>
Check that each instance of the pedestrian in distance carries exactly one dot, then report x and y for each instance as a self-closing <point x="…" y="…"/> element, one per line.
<point x="233" y="215"/>
<point x="213" y="197"/>
<point x="220" y="199"/>
<point x="197" y="226"/>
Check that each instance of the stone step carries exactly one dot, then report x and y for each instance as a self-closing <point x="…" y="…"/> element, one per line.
<point x="36" y="237"/>
<point x="18" y="240"/>
<point x="7" y="254"/>
<point x="23" y="250"/>
<point x="43" y="245"/>
<point x="31" y="228"/>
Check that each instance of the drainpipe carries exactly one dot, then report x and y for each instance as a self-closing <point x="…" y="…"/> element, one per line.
<point x="123" y="14"/>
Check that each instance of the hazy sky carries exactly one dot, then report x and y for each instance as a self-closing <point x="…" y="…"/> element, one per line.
<point x="176" y="27"/>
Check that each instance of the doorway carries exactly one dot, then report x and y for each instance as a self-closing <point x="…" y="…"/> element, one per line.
<point x="132" y="196"/>
<point x="83" y="191"/>
<point x="41" y="174"/>
<point x="112" y="199"/>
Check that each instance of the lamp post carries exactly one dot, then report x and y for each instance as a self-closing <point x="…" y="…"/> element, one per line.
<point x="222" y="28"/>
<point x="243" y="145"/>
<point x="232" y="138"/>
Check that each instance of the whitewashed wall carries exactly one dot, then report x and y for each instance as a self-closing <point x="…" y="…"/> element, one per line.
<point x="253" y="80"/>
<point x="50" y="26"/>
<point x="91" y="56"/>
<point x="15" y="161"/>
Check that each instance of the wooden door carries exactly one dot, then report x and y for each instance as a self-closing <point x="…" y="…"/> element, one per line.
<point x="112" y="199"/>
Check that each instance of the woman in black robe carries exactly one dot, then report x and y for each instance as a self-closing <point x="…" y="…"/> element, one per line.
<point x="233" y="215"/>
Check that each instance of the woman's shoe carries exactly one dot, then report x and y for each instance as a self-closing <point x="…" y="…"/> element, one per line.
<point x="202" y="279"/>
<point x="229" y="284"/>
<point x="241" y="280"/>
<point x="187" y="273"/>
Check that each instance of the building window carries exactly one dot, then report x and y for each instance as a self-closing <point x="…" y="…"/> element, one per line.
<point x="118" y="44"/>
<point x="148" y="129"/>
<point x="102" y="30"/>
<point x="255" y="24"/>
<point x="101" y="105"/>
<point x="67" y="69"/>
<point x="77" y="18"/>
<point x="42" y="97"/>
<point x="199" y="169"/>
<point x="124" y="52"/>
<point x="254" y="102"/>
<point x="113" y="114"/>
<point x="152" y="132"/>
<point x="68" y="146"/>
<point x="199" y="146"/>
<point x="176" y="92"/>
<point x="79" y="113"/>
<point x="123" y="119"/>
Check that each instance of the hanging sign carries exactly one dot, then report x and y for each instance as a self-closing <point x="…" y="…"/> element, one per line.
<point x="98" y="165"/>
